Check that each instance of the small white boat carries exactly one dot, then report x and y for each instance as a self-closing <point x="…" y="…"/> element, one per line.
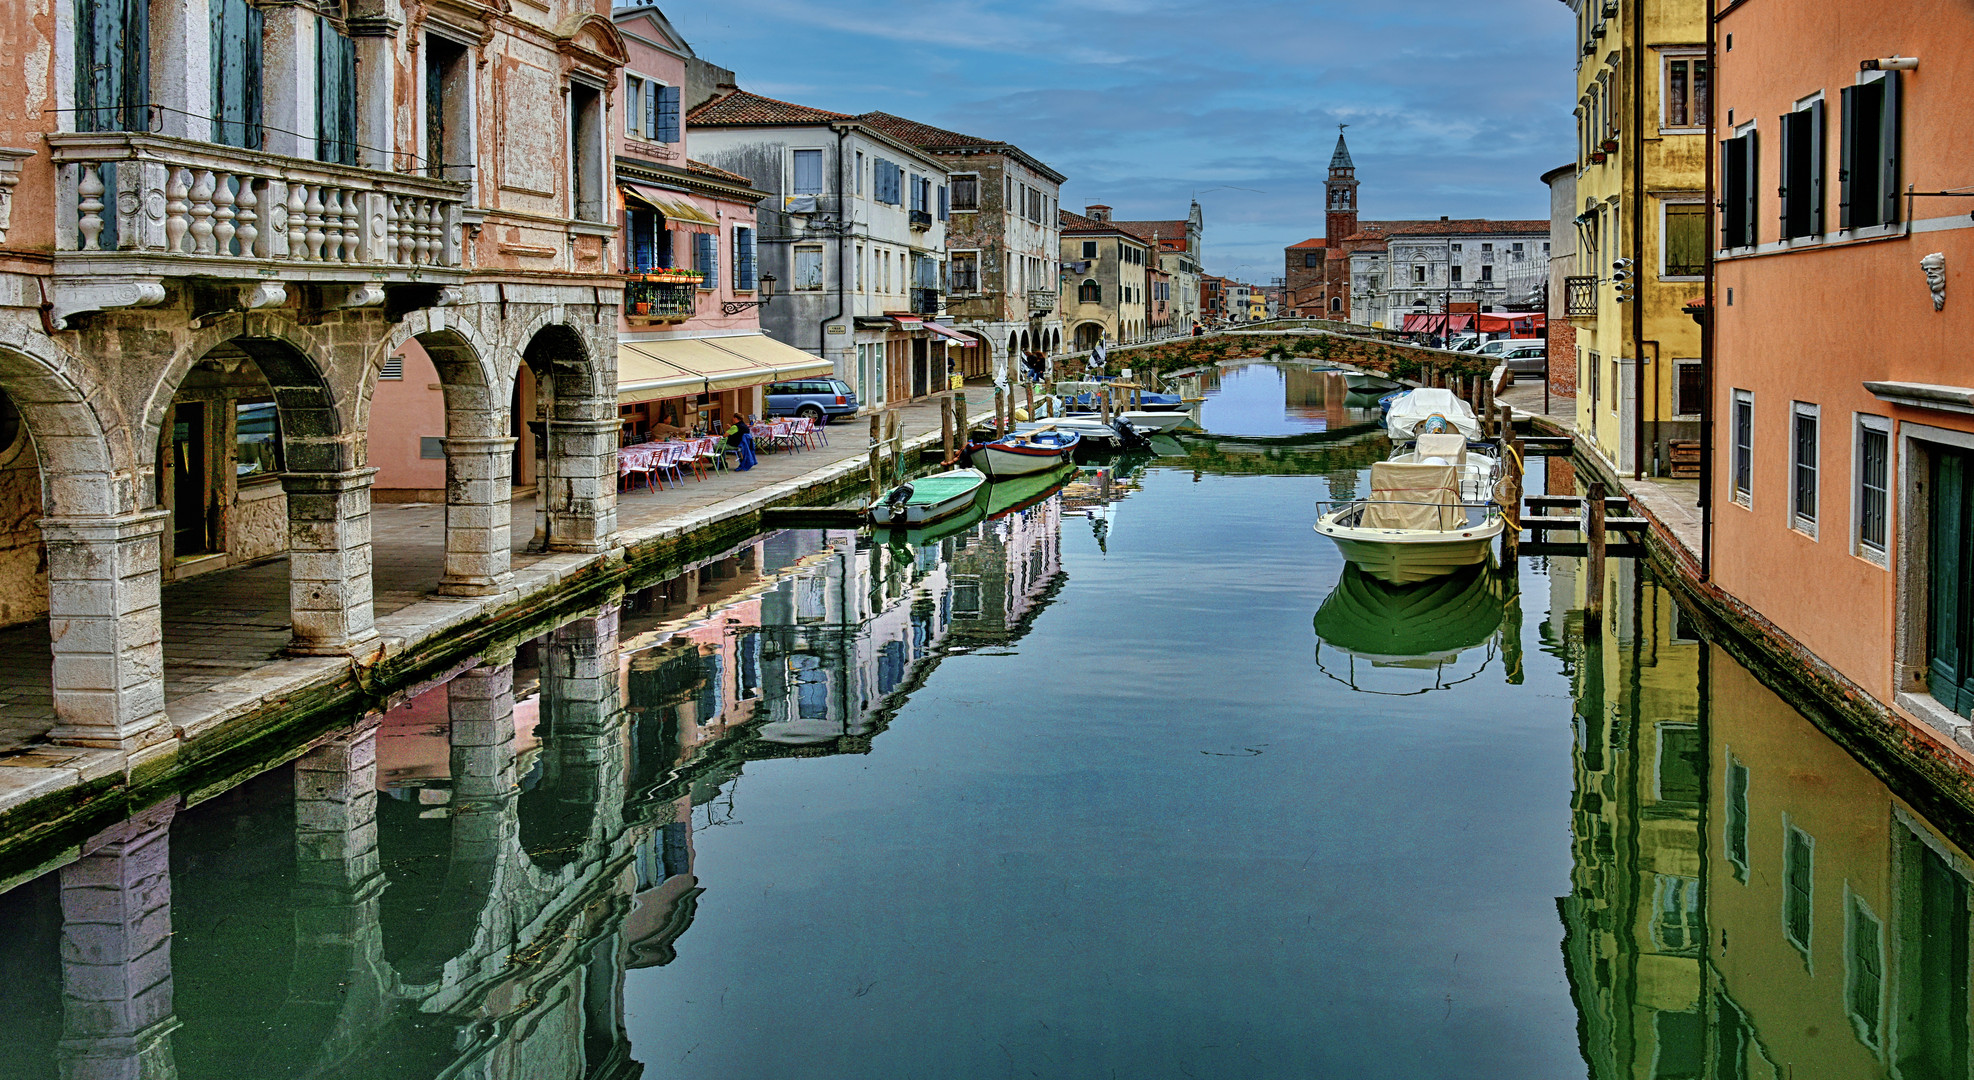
<point x="1095" y="433"/>
<point x="1415" y="526"/>
<point x="1024" y="452"/>
<point x="1150" y="422"/>
<point x="1365" y="382"/>
<point x="930" y="498"/>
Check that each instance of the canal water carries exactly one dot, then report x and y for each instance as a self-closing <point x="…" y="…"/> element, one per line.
<point x="1133" y="780"/>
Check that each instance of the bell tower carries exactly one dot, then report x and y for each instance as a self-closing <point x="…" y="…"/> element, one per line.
<point x="1340" y="191"/>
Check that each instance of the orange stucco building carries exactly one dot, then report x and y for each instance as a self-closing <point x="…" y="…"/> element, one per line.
<point x="1842" y="397"/>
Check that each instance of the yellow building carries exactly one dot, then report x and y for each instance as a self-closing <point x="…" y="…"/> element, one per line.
<point x="1106" y="280"/>
<point x="1642" y="94"/>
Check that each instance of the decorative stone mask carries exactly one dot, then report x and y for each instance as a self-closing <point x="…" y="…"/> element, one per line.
<point x="1935" y="266"/>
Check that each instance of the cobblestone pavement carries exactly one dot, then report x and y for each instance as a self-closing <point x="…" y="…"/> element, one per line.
<point x="229" y="622"/>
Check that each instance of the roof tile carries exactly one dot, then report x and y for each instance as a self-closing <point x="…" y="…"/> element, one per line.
<point x="742" y="108"/>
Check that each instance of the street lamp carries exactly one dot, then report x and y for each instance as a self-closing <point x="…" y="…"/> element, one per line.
<point x="735" y="307"/>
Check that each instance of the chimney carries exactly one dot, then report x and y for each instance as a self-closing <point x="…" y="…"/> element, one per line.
<point x="1442" y="217"/>
<point x="1098" y="212"/>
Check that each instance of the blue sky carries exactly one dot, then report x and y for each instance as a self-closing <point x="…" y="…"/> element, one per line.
<point x="1455" y="106"/>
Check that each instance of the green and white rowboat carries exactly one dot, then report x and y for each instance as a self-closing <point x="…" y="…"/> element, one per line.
<point x="930" y="498"/>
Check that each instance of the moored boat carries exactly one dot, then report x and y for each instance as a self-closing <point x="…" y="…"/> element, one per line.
<point x="1022" y="453"/>
<point x="1415" y="525"/>
<point x="1365" y="382"/>
<point x="1150" y="422"/>
<point x="930" y="498"/>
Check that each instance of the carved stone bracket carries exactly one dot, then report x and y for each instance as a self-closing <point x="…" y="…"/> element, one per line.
<point x="263" y="295"/>
<point x="73" y="296"/>
<point x="369" y="294"/>
<point x="10" y="174"/>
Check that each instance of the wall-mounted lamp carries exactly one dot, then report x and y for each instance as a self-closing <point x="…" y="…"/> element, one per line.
<point x="735" y="307"/>
<point x="1890" y="63"/>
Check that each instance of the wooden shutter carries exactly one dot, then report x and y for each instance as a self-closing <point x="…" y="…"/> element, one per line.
<point x="945" y="203"/>
<point x="1888" y="147"/>
<point x="1846" y="150"/>
<point x="1734" y="176"/>
<point x="1817" y="154"/>
<point x="112" y="76"/>
<point x="662" y="236"/>
<point x="1751" y="190"/>
<point x="707" y="258"/>
<point x="335" y="94"/>
<point x="644" y="240"/>
<point x="236" y="73"/>
<point x="1946" y="614"/>
<point x="668" y="114"/>
<point x="1790" y="145"/>
<point x="743" y="258"/>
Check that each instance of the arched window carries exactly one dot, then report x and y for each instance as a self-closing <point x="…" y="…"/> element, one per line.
<point x="1336" y="303"/>
<point x="1090" y="292"/>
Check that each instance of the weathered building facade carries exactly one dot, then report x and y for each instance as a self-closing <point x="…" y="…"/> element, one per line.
<point x="1177" y="249"/>
<point x="1104" y="280"/>
<point x="223" y="224"/>
<point x="1003" y="240"/>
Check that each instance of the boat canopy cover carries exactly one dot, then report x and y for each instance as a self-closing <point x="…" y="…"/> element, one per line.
<point x="1451" y="446"/>
<point x="942" y="486"/>
<point x="1412" y="413"/>
<point x="1389" y="624"/>
<point x="1408" y="496"/>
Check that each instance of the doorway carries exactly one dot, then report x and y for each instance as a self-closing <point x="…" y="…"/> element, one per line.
<point x="191" y="482"/>
<point x="921" y="366"/>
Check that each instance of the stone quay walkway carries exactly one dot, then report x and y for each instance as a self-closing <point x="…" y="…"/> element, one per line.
<point x="224" y="631"/>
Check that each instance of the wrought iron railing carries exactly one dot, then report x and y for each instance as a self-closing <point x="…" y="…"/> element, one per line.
<point x="1580" y="296"/>
<point x="925" y="301"/>
<point x="660" y="301"/>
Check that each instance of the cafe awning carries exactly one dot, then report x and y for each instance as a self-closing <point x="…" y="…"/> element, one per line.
<point x="655" y="370"/>
<point x="949" y="333"/>
<point x="674" y="206"/>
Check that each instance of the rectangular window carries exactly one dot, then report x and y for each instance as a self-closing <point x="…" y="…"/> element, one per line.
<point x="1801" y="193"/>
<point x="257" y="438"/>
<point x="1798" y="879"/>
<point x="1735" y="831"/>
<point x="1487" y="273"/>
<point x="1089" y="249"/>
<point x="706" y="258"/>
<point x="1596" y="368"/>
<point x="1874" y="481"/>
<point x="887" y="182"/>
<point x="1864" y="971"/>
<point x="1802" y="467"/>
<point x="1685" y="254"/>
<point x="335" y="94"/>
<point x="1685" y="92"/>
<point x="808" y="268"/>
<point x="649" y="245"/>
<point x="1743" y="447"/>
<point x="1418" y="275"/>
<point x="963" y="272"/>
<point x="1740" y="183"/>
<point x="1457" y="271"/>
<point x="1868" y="154"/>
<point x="633" y="105"/>
<point x="448" y="109"/>
<point x="806" y="177"/>
<point x="966" y="192"/>
<point x="587" y="150"/>
<point x="1676" y="923"/>
<point x="1681" y="756"/>
<point x="744" y="259"/>
<point x="918" y="192"/>
<point x="1690" y="387"/>
<point x="859" y="183"/>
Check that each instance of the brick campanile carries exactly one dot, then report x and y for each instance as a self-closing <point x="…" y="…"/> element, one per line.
<point x="1340" y="202"/>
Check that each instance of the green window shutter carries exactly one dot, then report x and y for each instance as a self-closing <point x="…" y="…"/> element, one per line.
<point x="112" y="75"/>
<point x="1888" y="147"/>
<point x="335" y="94"/>
<point x="1947" y="585"/>
<point x="236" y="73"/>
<point x="1790" y="145"/>
<point x="1751" y="190"/>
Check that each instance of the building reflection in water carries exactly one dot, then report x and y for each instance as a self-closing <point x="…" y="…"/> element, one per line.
<point x="1749" y="900"/>
<point x="458" y="886"/>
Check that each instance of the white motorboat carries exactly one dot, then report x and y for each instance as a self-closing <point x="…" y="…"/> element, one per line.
<point x="1430" y="410"/>
<point x="930" y="498"/>
<point x="1415" y="525"/>
<point x="1149" y="422"/>
<point x="1365" y="382"/>
<point x="1096" y="434"/>
<point x="1024" y="452"/>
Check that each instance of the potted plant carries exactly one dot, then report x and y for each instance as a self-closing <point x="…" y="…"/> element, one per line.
<point x="641" y="307"/>
<point x="1609" y="146"/>
<point x="1597" y="156"/>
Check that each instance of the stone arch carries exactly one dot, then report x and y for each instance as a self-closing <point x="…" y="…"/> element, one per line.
<point x="319" y="418"/>
<point x="476" y="389"/>
<point x="1088" y="333"/>
<point x="60" y="410"/>
<point x="575" y="431"/>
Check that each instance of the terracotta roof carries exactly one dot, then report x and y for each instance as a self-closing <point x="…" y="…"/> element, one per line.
<point x="700" y="168"/>
<point x="1077" y="223"/>
<point x="742" y="108"/>
<point x="1379" y="230"/>
<point x="1163" y="230"/>
<point x="923" y="136"/>
<point x="1312" y="242"/>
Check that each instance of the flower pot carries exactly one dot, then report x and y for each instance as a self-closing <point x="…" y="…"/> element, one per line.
<point x="1597" y="157"/>
<point x="641" y="307"/>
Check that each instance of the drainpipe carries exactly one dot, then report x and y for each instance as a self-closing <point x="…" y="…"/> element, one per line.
<point x="1711" y="316"/>
<point x="842" y="232"/>
<point x="1638" y="235"/>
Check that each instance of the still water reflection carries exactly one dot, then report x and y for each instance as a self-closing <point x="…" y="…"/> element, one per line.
<point x="1063" y="794"/>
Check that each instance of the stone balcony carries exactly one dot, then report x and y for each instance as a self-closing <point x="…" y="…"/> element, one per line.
<point x="134" y="210"/>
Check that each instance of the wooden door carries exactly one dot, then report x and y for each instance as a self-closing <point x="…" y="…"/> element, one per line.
<point x="1950" y="675"/>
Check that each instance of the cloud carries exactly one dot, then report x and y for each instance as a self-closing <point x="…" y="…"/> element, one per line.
<point x="1455" y="107"/>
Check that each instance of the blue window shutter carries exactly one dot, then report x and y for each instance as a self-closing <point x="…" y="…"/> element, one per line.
<point x="644" y="240"/>
<point x="707" y="259"/>
<point x="743" y="258"/>
<point x="112" y="73"/>
<point x="945" y="203"/>
<point x="668" y="114"/>
<point x="236" y="71"/>
<point x="667" y="257"/>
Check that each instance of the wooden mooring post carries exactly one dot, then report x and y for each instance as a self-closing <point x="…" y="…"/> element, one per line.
<point x="960" y="424"/>
<point x="1000" y="410"/>
<point x="897" y="449"/>
<point x="1029" y="390"/>
<point x="1487" y="406"/>
<point x="946" y="429"/>
<point x="1511" y="492"/>
<point x="1593" y="563"/>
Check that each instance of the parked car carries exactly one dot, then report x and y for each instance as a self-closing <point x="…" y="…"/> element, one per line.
<point x="1526" y="358"/>
<point x="821" y="400"/>
<point x="1464" y="342"/>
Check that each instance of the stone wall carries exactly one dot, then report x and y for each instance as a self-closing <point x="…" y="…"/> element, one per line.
<point x="1562" y="357"/>
<point x="23" y="570"/>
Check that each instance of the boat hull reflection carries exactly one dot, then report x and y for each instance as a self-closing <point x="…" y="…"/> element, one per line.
<point x="1424" y="626"/>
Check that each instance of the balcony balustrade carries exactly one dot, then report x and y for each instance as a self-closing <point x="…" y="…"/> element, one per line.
<point x="925" y="301"/>
<point x="921" y="219"/>
<point x="133" y="209"/>
<point x="1041" y="302"/>
<point x="1580" y="295"/>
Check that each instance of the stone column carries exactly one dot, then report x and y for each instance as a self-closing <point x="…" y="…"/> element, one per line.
<point x="116" y="953"/>
<point x="579" y="490"/>
<point x="376" y="67"/>
<point x="181" y="67"/>
<point x="329" y="596"/>
<point x="479" y="516"/>
<point x="288" y="105"/>
<point x="107" y="634"/>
